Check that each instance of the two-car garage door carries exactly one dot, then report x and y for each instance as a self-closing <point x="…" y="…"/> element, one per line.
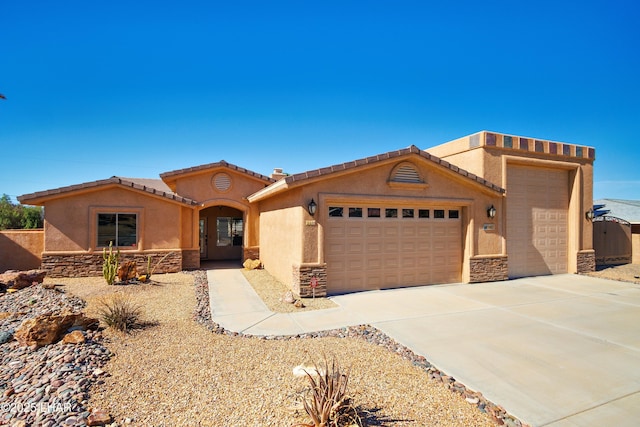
<point x="375" y="247"/>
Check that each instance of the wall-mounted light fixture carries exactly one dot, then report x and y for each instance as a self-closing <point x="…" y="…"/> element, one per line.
<point x="589" y="215"/>
<point x="491" y="212"/>
<point x="312" y="207"/>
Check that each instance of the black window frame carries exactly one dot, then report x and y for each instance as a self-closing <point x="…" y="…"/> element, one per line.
<point x="119" y="238"/>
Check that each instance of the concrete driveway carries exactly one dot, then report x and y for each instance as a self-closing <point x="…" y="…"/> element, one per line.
<point x="559" y="350"/>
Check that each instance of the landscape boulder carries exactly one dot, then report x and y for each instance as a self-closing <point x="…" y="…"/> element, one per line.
<point x="98" y="417"/>
<point x="127" y="271"/>
<point x="75" y="337"/>
<point x="13" y="279"/>
<point x="49" y="328"/>
<point x="288" y="298"/>
<point x="252" y="264"/>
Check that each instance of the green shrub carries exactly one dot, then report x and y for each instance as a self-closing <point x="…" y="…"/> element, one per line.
<point x="119" y="312"/>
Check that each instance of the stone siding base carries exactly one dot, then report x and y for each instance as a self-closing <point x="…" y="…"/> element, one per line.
<point x="86" y="265"/>
<point x="587" y="261"/>
<point x="190" y="259"/>
<point x="488" y="269"/>
<point x="252" y="252"/>
<point x="302" y="275"/>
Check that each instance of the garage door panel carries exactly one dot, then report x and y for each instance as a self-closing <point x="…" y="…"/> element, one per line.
<point x="355" y="248"/>
<point x="355" y="263"/>
<point x="391" y="231"/>
<point x="409" y="246"/>
<point x="391" y="263"/>
<point x="537" y="220"/>
<point x="374" y="263"/>
<point x="374" y="231"/>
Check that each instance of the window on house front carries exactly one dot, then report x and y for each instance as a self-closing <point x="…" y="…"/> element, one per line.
<point x="119" y="229"/>
<point x="438" y="213"/>
<point x="423" y="213"/>
<point x="229" y="231"/>
<point x="391" y="213"/>
<point x="454" y="213"/>
<point x="407" y="213"/>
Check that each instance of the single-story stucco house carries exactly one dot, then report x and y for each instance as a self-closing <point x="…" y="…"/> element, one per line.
<point x="484" y="207"/>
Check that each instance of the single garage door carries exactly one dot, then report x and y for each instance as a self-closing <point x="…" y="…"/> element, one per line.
<point x="375" y="247"/>
<point x="537" y="218"/>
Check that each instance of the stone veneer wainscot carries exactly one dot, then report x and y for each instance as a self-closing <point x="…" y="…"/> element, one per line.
<point x="87" y="265"/>
<point x="586" y="261"/>
<point x="488" y="269"/>
<point x="302" y="275"/>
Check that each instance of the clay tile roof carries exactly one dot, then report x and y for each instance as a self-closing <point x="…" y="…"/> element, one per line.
<point x="151" y="186"/>
<point x="296" y="178"/>
<point x="221" y="163"/>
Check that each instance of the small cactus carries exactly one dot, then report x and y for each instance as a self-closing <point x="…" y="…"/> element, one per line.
<point x="110" y="265"/>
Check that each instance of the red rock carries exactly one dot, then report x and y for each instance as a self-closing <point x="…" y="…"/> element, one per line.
<point x="48" y="328"/>
<point x="98" y="417"/>
<point x="14" y="279"/>
<point x="75" y="337"/>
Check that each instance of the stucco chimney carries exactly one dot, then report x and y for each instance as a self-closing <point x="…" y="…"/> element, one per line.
<point x="277" y="174"/>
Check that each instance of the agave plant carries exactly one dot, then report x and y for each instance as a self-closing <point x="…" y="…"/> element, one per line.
<point x="327" y="402"/>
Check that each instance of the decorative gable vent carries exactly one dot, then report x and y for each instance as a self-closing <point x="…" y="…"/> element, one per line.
<point x="406" y="172"/>
<point x="221" y="181"/>
<point x="406" y="175"/>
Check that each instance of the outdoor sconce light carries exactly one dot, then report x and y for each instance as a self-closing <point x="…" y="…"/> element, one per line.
<point x="491" y="212"/>
<point x="312" y="207"/>
<point x="589" y="215"/>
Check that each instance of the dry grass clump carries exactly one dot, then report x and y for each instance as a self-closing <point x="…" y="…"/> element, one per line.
<point x="119" y="312"/>
<point x="326" y="400"/>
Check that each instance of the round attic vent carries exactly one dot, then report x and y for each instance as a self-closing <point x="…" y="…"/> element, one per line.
<point x="221" y="181"/>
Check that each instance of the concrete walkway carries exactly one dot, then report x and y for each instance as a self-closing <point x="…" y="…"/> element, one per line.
<point x="557" y="351"/>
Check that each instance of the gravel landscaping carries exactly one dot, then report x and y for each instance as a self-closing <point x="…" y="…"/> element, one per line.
<point x="624" y="273"/>
<point x="47" y="386"/>
<point x="174" y="371"/>
<point x="179" y="373"/>
<point x="182" y="369"/>
<point x="272" y="292"/>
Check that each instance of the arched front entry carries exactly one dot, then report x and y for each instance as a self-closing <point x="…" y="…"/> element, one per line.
<point x="221" y="233"/>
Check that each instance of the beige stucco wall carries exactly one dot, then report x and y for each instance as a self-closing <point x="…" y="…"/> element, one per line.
<point x="287" y="228"/>
<point x="635" y="243"/>
<point x="21" y="249"/>
<point x="70" y="222"/>
<point x="281" y="240"/>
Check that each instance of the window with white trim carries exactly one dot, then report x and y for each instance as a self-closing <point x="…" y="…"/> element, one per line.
<point x="117" y="229"/>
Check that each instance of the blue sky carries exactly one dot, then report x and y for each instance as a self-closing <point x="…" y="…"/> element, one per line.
<point x="134" y="89"/>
